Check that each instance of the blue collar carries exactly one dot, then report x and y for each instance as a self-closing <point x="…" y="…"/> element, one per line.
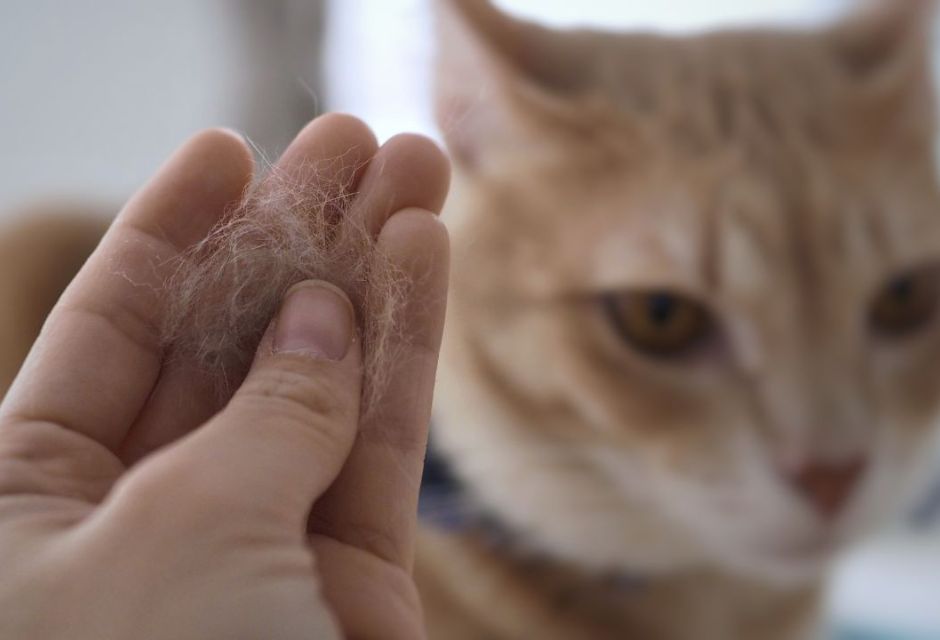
<point x="445" y="504"/>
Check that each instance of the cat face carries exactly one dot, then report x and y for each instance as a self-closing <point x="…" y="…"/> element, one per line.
<point x="695" y="314"/>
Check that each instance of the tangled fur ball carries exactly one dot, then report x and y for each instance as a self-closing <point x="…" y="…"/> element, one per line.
<point x="286" y="229"/>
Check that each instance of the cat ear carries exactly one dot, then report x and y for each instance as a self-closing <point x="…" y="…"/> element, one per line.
<point x="885" y="40"/>
<point x="491" y="69"/>
<point x="885" y="52"/>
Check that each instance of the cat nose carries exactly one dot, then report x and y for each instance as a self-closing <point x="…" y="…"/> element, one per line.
<point x="828" y="485"/>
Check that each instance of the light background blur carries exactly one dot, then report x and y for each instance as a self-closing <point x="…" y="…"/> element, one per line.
<point x="93" y="95"/>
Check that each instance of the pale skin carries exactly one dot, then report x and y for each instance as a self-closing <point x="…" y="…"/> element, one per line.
<point x="130" y="508"/>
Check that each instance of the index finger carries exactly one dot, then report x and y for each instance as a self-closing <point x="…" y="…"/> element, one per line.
<point x="99" y="353"/>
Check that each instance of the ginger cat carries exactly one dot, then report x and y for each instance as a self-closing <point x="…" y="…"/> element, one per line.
<point x="693" y="330"/>
<point x="692" y="340"/>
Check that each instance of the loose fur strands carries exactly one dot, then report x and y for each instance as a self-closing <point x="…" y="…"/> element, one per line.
<point x="286" y="229"/>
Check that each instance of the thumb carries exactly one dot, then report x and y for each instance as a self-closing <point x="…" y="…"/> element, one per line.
<point x="286" y="433"/>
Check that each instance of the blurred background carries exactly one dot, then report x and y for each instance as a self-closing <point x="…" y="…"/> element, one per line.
<point x="94" y="95"/>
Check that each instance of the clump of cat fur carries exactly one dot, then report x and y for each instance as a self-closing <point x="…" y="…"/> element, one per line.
<point x="287" y="228"/>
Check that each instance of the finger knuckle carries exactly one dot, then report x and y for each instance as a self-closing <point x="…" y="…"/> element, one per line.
<point x="292" y="393"/>
<point x="41" y="456"/>
<point x="16" y="477"/>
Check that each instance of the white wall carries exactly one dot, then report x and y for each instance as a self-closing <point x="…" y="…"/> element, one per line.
<point x="95" y="94"/>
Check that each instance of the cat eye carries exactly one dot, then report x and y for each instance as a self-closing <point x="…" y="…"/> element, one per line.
<point x="658" y="323"/>
<point x="905" y="304"/>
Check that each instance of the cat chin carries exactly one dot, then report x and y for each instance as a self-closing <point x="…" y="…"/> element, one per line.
<point x="785" y="572"/>
<point x="779" y="566"/>
<point x="782" y="565"/>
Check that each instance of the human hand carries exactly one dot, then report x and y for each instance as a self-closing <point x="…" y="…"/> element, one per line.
<point x="130" y="508"/>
